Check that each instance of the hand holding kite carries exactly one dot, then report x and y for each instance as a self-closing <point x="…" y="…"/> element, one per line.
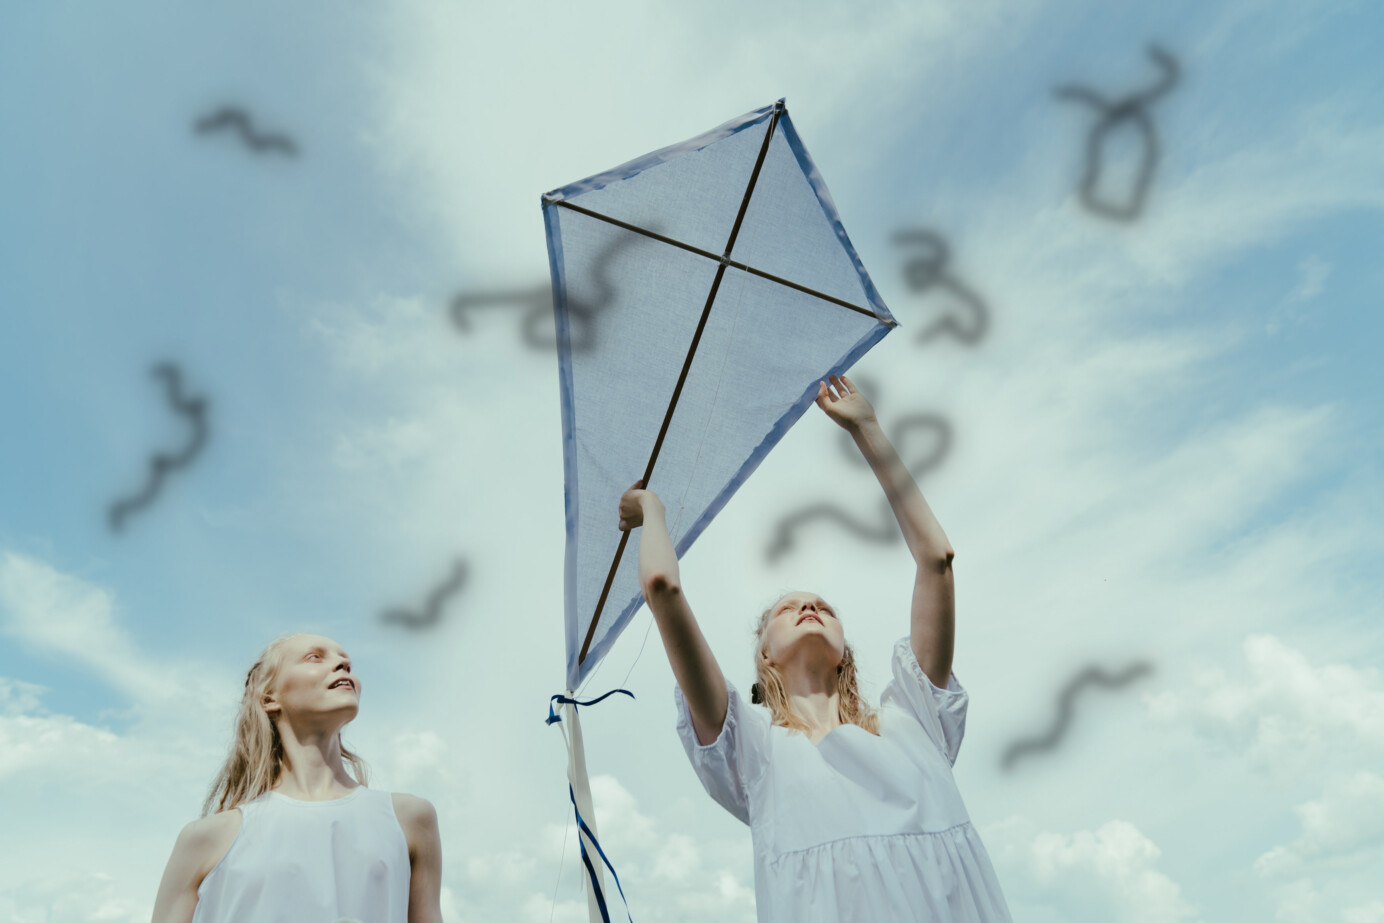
<point x="846" y="405"/>
<point x="632" y="505"/>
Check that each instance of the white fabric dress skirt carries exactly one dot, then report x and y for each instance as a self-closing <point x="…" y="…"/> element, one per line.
<point x="857" y="827"/>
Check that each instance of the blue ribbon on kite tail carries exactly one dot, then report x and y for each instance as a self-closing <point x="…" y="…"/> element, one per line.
<point x="586" y="860"/>
<point x="553" y="717"/>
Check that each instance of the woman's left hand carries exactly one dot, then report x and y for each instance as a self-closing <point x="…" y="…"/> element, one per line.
<point x="843" y="403"/>
<point x="632" y="505"/>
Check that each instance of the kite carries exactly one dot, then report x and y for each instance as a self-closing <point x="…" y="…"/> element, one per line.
<point x="737" y="292"/>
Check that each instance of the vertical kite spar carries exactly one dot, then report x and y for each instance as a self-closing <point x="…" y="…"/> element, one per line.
<point x="735" y="274"/>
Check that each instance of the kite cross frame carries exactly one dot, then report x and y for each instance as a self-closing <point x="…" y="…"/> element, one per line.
<point x="723" y="261"/>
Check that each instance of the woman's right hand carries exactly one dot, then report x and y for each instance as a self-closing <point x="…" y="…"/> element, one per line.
<point x="844" y="403"/>
<point x="632" y="506"/>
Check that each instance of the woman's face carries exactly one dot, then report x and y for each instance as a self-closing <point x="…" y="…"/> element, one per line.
<point x="315" y="678"/>
<point x="804" y="626"/>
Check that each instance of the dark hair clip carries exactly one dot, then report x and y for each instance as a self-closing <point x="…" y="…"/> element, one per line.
<point x="756" y="694"/>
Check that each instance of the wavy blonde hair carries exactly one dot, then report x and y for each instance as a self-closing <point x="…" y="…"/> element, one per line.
<point x="769" y="691"/>
<point x="255" y="761"/>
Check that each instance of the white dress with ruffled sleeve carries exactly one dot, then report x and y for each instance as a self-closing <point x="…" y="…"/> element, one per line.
<point x="858" y="827"/>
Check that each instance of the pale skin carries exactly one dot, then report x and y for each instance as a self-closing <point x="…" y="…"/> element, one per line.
<point x="803" y="637"/>
<point x="311" y="704"/>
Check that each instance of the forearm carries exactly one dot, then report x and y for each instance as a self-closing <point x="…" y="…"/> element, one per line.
<point x="694" y="666"/>
<point x="657" y="559"/>
<point x="921" y="530"/>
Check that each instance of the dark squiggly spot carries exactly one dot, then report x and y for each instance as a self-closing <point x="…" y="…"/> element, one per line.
<point x="233" y="118"/>
<point x="885" y="531"/>
<point x="537" y="325"/>
<point x="1091" y="676"/>
<point x="162" y="464"/>
<point x="431" y="613"/>
<point x="1132" y="109"/>
<point x="965" y="315"/>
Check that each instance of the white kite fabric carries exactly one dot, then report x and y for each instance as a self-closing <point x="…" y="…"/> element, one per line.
<point x="722" y="248"/>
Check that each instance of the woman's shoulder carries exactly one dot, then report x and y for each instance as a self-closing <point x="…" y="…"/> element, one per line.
<point x="213" y="826"/>
<point x="413" y="811"/>
<point x="206" y="839"/>
<point x="417" y="817"/>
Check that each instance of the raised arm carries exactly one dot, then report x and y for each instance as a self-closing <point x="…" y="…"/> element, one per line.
<point x="694" y="666"/>
<point x="932" y="629"/>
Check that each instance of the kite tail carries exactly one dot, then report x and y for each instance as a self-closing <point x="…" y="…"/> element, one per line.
<point x="579" y="790"/>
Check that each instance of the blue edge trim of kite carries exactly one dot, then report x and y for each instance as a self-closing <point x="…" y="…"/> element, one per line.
<point x="575" y="673"/>
<point x="551" y="225"/>
<point x="662" y="155"/>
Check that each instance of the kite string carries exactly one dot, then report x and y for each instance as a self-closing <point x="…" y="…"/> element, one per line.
<point x="565" y="831"/>
<point x="625" y="682"/>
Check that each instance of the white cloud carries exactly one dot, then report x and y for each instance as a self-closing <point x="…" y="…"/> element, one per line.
<point x="88" y="898"/>
<point x="18" y="697"/>
<point x="127" y="791"/>
<point x="1288" y="715"/>
<point x="1295" y="720"/>
<point x="421" y="760"/>
<point x="1312" y="274"/>
<point x="1302" y="300"/>
<point x="1336" y="860"/>
<point x="64" y="616"/>
<point x="1373" y="912"/>
<point x="1298" y="902"/>
<point x="666" y="875"/>
<point x="1317" y="163"/>
<point x="1349" y="818"/>
<point x="1107" y="874"/>
<point x="540" y="908"/>
<point x="55" y="744"/>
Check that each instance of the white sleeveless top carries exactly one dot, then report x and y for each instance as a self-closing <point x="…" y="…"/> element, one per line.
<point x="311" y="862"/>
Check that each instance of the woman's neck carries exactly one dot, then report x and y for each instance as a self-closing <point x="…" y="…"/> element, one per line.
<point x="815" y="698"/>
<point x="312" y="769"/>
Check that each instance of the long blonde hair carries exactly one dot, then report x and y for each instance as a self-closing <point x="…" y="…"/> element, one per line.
<point x="255" y="761"/>
<point x="769" y="691"/>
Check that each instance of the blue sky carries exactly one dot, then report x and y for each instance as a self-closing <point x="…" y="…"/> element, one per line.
<point x="1166" y="446"/>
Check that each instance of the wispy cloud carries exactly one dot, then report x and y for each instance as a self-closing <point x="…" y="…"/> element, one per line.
<point x="62" y="616"/>
<point x="531" y="128"/>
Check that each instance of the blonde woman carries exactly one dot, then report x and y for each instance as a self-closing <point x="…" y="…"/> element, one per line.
<point x="854" y="813"/>
<point x="286" y="834"/>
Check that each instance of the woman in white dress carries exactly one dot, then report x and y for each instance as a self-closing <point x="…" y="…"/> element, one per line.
<point x="853" y="812"/>
<point x="293" y="837"/>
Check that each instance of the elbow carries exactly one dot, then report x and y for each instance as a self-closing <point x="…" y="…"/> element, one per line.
<point x="660" y="584"/>
<point x="939" y="560"/>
